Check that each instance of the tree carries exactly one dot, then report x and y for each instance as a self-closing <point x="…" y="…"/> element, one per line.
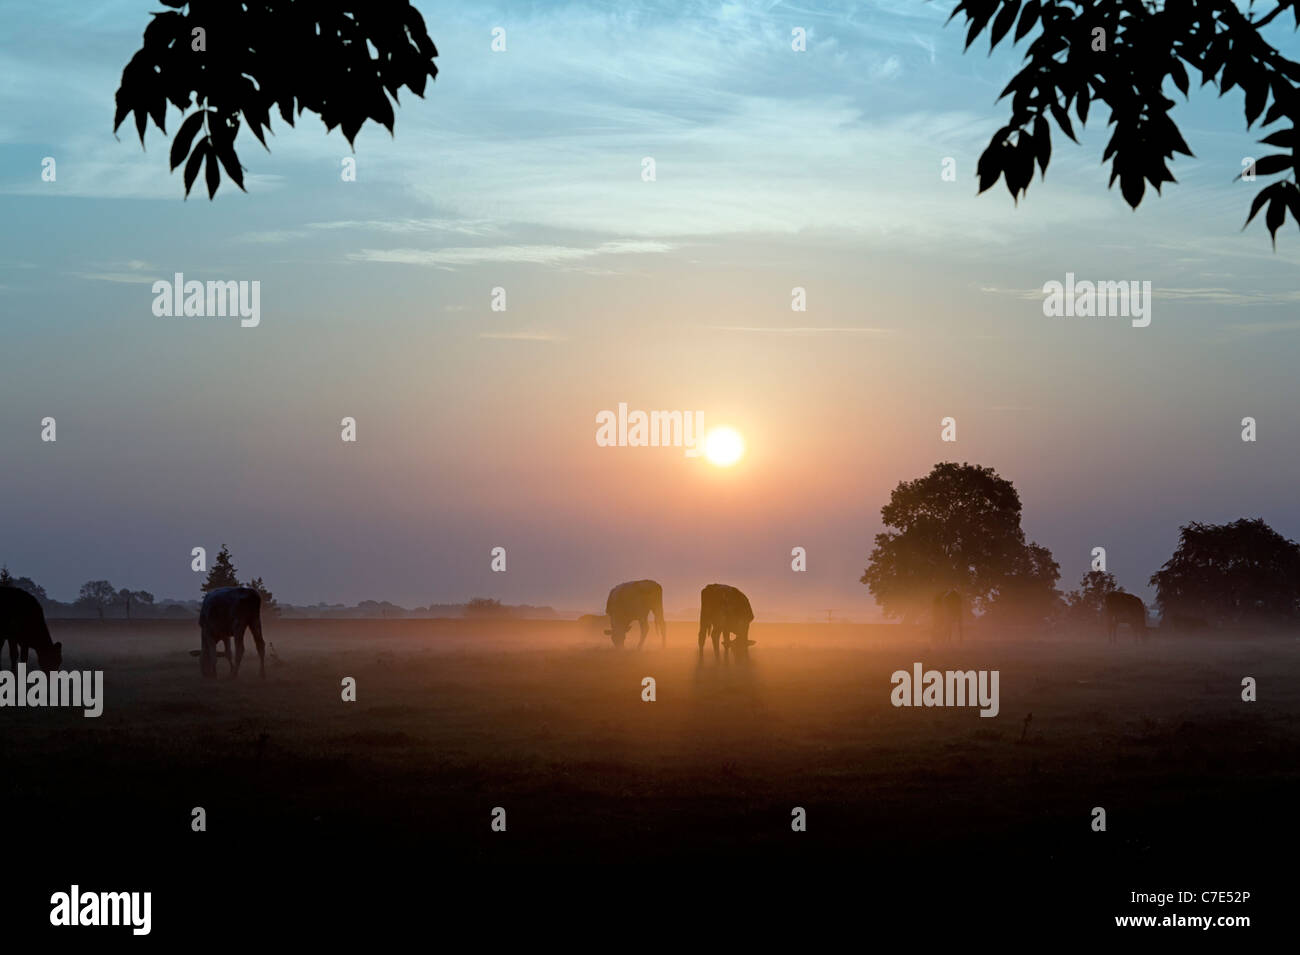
<point x="222" y="573"/>
<point x="1085" y="604"/>
<point x="139" y="596"/>
<point x="23" y="583"/>
<point x="485" y="607"/>
<point x="1028" y="594"/>
<point x="1121" y="53"/>
<point x="269" y="606"/>
<point x="1243" y="572"/>
<point x="244" y="59"/>
<point x="957" y="527"/>
<point x="97" y="594"/>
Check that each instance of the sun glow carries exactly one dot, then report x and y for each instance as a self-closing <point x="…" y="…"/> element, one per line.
<point x="724" y="447"/>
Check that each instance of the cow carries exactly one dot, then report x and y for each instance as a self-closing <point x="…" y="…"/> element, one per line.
<point x="635" y="600"/>
<point x="226" y="613"/>
<point x="22" y="625"/>
<point x="947" y="613"/>
<point x="724" y="610"/>
<point x="1120" y="607"/>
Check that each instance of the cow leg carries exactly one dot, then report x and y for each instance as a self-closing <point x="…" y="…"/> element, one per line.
<point x="645" y="628"/>
<point x="230" y="658"/>
<point x="715" y="635"/>
<point x="239" y="649"/>
<point x="207" y="654"/>
<point x="704" y="630"/>
<point x="256" y="627"/>
<point x="13" y="653"/>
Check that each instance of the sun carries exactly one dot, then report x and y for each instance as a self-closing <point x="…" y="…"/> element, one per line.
<point x="724" y="447"/>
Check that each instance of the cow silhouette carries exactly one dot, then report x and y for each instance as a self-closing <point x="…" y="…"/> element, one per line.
<point x="724" y="610"/>
<point x="947" y="614"/>
<point x="22" y="625"/>
<point x="226" y="613"/>
<point x="635" y="600"/>
<point x="1120" y="607"/>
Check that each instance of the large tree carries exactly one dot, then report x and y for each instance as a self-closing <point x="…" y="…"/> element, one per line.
<point x="1126" y="54"/>
<point x="1239" y="573"/>
<point x="232" y="60"/>
<point x="957" y="527"/>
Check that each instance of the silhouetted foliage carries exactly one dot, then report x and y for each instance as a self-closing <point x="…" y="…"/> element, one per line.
<point x="486" y="607"/>
<point x="1085" y="604"/>
<point x="958" y="527"/>
<point x="97" y="594"/>
<point x="1140" y="46"/>
<point x="222" y="572"/>
<point x="1027" y="594"/>
<point x="126" y="596"/>
<point x="269" y="607"/>
<point x="1243" y="572"/>
<point x="245" y="59"/>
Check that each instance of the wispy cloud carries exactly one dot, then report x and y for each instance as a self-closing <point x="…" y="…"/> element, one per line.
<point x="434" y="226"/>
<point x="522" y="336"/>
<point x="802" y="330"/>
<point x="133" y="272"/>
<point x="532" y="254"/>
<point x="1207" y="296"/>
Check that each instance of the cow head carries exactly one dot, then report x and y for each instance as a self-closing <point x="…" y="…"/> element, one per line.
<point x="618" y="631"/>
<point x="51" y="659"/>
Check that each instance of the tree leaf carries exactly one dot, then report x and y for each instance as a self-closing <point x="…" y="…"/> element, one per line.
<point x="192" y="167"/>
<point x="185" y="136"/>
<point x="213" y="170"/>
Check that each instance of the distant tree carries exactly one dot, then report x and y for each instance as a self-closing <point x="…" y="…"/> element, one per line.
<point x="245" y="59"/>
<point x="1243" y="572"/>
<point x="485" y="607"/>
<point x="269" y="606"/>
<point x="222" y="572"/>
<point x="6" y="578"/>
<point x="126" y="596"/>
<point x="957" y="527"/>
<point x="97" y="594"/>
<point x="1084" y="605"/>
<point x="1124" y="54"/>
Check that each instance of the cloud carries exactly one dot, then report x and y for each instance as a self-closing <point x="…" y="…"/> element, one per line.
<point x="802" y="330"/>
<point x="522" y="336"/>
<point x="531" y="254"/>
<point x="132" y="272"/>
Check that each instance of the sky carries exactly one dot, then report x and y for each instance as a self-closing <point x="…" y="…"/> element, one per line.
<point x="522" y="170"/>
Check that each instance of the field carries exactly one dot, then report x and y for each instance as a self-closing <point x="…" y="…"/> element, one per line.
<point x="545" y="720"/>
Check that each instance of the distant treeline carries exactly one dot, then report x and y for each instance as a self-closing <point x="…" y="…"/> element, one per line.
<point x="100" y="600"/>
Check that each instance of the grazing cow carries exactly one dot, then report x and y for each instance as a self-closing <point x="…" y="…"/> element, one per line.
<point x="635" y="600"/>
<point x="947" y="613"/>
<point x="22" y="625"/>
<point x="724" y="610"/>
<point x="1125" y="608"/>
<point x="226" y="613"/>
